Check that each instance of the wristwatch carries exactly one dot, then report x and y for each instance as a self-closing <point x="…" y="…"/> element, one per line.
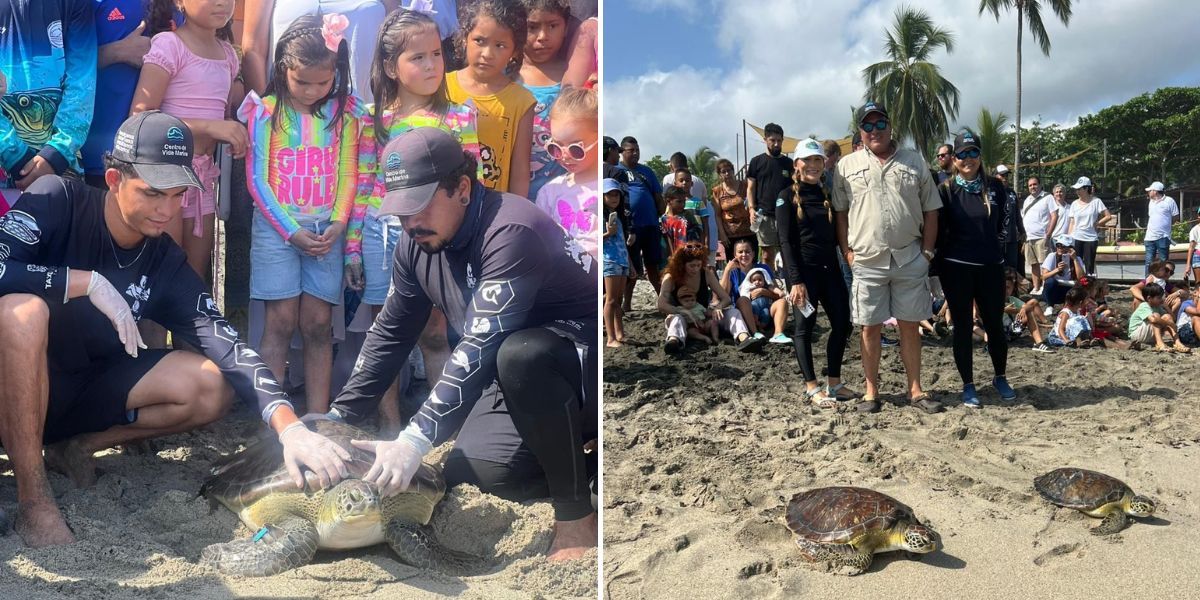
<point x="929" y="254"/>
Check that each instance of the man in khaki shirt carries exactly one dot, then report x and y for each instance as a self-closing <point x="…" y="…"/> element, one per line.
<point x="885" y="204"/>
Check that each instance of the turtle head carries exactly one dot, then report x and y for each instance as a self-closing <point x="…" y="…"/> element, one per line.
<point x="1141" y="506"/>
<point x="350" y="500"/>
<point x="920" y="539"/>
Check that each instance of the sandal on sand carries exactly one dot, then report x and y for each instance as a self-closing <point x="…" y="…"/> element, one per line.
<point x="868" y="405"/>
<point x="926" y="403"/>
<point x="751" y="344"/>
<point x="835" y="392"/>
<point x="817" y="398"/>
<point x="1182" y="350"/>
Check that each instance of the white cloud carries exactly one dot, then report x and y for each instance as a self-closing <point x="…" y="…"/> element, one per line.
<point x="799" y="64"/>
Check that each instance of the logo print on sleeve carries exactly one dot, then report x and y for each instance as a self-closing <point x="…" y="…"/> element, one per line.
<point x="4" y="252"/>
<point x="207" y="307"/>
<point x="246" y="356"/>
<point x="492" y="297"/>
<point x="264" y="381"/>
<point x="481" y="325"/>
<point x="222" y="329"/>
<point x="21" y="226"/>
<point x="464" y="361"/>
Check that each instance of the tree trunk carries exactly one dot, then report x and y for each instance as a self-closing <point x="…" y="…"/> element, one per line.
<point x="1017" y="138"/>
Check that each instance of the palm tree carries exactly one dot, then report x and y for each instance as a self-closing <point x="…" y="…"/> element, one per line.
<point x="919" y="100"/>
<point x="1028" y="12"/>
<point x="703" y="165"/>
<point x="990" y="129"/>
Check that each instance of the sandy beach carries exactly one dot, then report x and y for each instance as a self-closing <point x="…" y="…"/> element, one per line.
<point x="142" y="526"/>
<point x="703" y="452"/>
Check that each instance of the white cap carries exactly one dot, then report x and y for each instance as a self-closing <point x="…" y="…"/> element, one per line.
<point x="1157" y="186"/>
<point x="1001" y="170"/>
<point x="1082" y="182"/>
<point x="809" y="147"/>
<point x="1064" y="240"/>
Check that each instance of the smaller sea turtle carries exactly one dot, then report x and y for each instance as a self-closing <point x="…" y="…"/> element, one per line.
<point x="1095" y="495"/>
<point x="845" y="526"/>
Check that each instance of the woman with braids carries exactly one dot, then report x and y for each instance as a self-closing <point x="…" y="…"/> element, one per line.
<point x="688" y="269"/>
<point x="810" y="260"/>
<point x="970" y="264"/>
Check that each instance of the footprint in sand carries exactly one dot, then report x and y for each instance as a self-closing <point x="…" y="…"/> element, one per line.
<point x="1055" y="552"/>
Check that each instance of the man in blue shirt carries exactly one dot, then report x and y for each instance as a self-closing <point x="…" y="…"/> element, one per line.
<point x="48" y="53"/>
<point x="646" y="204"/>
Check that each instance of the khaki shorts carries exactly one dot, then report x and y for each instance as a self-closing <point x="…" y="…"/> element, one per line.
<point x="900" y="291"/>
<point x="1144" y="334"/>
<point x="768" y="233"/>
<point x="1035" y="251"/>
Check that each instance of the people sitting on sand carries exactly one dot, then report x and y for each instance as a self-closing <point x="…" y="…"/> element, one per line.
<point x="762" y="310"/>
<point x="1150" y="323"/>
<point x="701" y="321"/>
<point x="1160" y="273"/>
<point x="80" y="262"/>
<point x="1060" y="271"/>
<point x="1020" y="316"/>
<point x="688" y="268"/>
<point x="1107" y="321"/>
<point x="1188" y="319"/>
<point x="1072" y="327"/>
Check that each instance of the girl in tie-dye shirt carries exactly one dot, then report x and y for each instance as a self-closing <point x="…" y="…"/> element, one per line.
<point x="303" y="174"/>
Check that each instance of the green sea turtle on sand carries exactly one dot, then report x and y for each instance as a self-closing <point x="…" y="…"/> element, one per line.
<point x="846" y="526"/>
<point x="1096" y="495"/>
<point x="292" y="523"/>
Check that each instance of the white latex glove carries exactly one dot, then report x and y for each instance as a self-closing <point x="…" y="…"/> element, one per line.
<point x="302" y="447"/>
<point x="108" y="300"/>
<point x="396" y="462"/>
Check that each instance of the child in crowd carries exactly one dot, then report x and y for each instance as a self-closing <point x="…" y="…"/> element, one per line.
<point x="701" y="325"/>
<point x="1072" y="326"/>
<point x="1188" y="319"/>
<point x="1021" y="316"/>
<point x="409" y="88"/>
<point x="1160" y="272"/>
<point x="1151" y="323"/>
<point x="542" y="74"/>
<point x="492" y="45"/>
<point x="703" y="210"/>
<point x="757" y="286"/>
<point x="1192" y="258"/>
<point x="679" y="226"/>
<point x="570" y="199"/>
<point x="303" y="176"/>
<point x="1107" y="321"/>
<point x="616" y="260"/>
<point x="189" y="73"/>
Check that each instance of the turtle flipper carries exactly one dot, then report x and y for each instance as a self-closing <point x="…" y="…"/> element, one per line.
<point x="841" y="557"/>
<point x="1115" y="521"/>
<point x="274" y="549"/>
<point x="855" y="561"/>
<point x="416" y="547"/>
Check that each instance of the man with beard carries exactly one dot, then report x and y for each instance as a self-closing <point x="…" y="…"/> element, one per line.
<point x="768" y="174"/>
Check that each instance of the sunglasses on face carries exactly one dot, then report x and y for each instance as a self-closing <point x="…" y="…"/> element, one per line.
<point x="965" y="154"/>
<point x="575" y="151"/>
<point x="879" y="125"/>
<point x="943" y="155"/>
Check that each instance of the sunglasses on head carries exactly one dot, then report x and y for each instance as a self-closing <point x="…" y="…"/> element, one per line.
<point x="965" y="154"/>
<point x="574" y="151"/>
<point x="879" y="125"/>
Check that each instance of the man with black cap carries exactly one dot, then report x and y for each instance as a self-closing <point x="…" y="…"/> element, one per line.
<point x="767" y="174"/>
<point x="520" y="294"/>
<point x="76" y="263"/>
<point x="612" y="155"/>
<point x="885" y="204"/>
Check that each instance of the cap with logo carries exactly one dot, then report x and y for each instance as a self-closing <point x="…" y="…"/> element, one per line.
<point x="966" y="139"/>
<point x="809" y="147"/>
<point x="1065" y="241"/>
<point x="1157" y="186"/>
<point x="610" y="144"/>
<point x="1001" y="169"/>
<point x="870" y="107"/>
<point x="610" y="185"/>
<point x="1082" y="182"/>
<point x="413" y="164"/>
<point x="159" y="147"/>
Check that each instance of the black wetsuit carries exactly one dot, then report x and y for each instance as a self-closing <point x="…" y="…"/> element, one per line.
<point x="522" y="294"/>
<point x="58" y="224"/>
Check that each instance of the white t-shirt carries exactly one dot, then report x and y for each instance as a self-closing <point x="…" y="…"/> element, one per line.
<point x="1085" y="217"/>
<point x="1052" y="261"/>
<point x="1194" y="235"/>
<point x="1064" y="219"/>
<point x="1036" y="215"/>
<point x="1158" y="226"/>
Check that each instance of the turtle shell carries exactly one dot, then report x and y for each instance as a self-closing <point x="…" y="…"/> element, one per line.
<point x="1080" y="488"/>
<point x="244" y="478"/>
<point x="838" y="515"/>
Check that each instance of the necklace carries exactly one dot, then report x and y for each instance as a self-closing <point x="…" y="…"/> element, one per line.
<point x="118" y="258"/>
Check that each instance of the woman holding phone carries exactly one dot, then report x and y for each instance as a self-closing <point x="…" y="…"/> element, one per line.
<point x="810" y="260"/>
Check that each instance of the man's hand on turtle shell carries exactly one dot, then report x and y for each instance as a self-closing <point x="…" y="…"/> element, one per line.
<point x="396" y="461"/>
<point x="305" y="448"/>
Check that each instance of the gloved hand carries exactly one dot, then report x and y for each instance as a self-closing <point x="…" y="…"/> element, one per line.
<point x="108" y="301"/>
<point x="305" y="448"/>
<point x="396" y="462"/>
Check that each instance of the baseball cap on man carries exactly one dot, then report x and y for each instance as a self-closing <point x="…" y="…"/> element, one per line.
<point x="1082" y="182"/>
<point x="809" y="147"/>
<point x="159" y="147"/>
<point x="1001" y="169"/>
<point x="871" y="107"/>
<point x="966" y="139"/>
<point x="414" y="162"/>
<point x="1157" y="186"/>
<point x="610" y="144"/>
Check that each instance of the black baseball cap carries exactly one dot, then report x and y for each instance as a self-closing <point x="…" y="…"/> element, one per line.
<point x="160" y="149"/>
<point x="870" y="107"/>
<point x="413" y="164"/>
<point x="966" y="139"/>
<point x="610" y="143"/>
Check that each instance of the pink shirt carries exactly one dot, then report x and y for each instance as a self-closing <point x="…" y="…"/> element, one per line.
<point x="199" y="87"/>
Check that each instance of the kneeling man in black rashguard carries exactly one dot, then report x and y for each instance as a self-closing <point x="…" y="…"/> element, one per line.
<point x="520" y="384"/>
<point x="78" y="268"/>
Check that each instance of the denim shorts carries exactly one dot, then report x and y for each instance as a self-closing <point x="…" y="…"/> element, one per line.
<point x="377" y="255"/>
<point x="279" y="271"/>
<point x="762" y="309"/>
<point x="614" y="269"/>
<point x="1187" y="335"/>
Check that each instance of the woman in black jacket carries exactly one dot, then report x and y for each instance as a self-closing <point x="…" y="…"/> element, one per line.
<point x="970" y="262"/>
<point x="810" y="259"/>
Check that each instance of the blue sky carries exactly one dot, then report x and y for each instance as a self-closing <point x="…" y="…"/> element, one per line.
<point x="683" y="73"/>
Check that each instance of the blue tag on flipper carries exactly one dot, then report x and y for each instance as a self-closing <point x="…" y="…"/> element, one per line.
<point x="260" y="534"/>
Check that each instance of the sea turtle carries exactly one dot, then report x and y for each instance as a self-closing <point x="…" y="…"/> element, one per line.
<point x="1095" y="495"/>
<point x="845" y="526"/>
<point x="292" y="523"/>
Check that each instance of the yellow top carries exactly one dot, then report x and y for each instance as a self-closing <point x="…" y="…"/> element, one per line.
<point x="497" y="121"/>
